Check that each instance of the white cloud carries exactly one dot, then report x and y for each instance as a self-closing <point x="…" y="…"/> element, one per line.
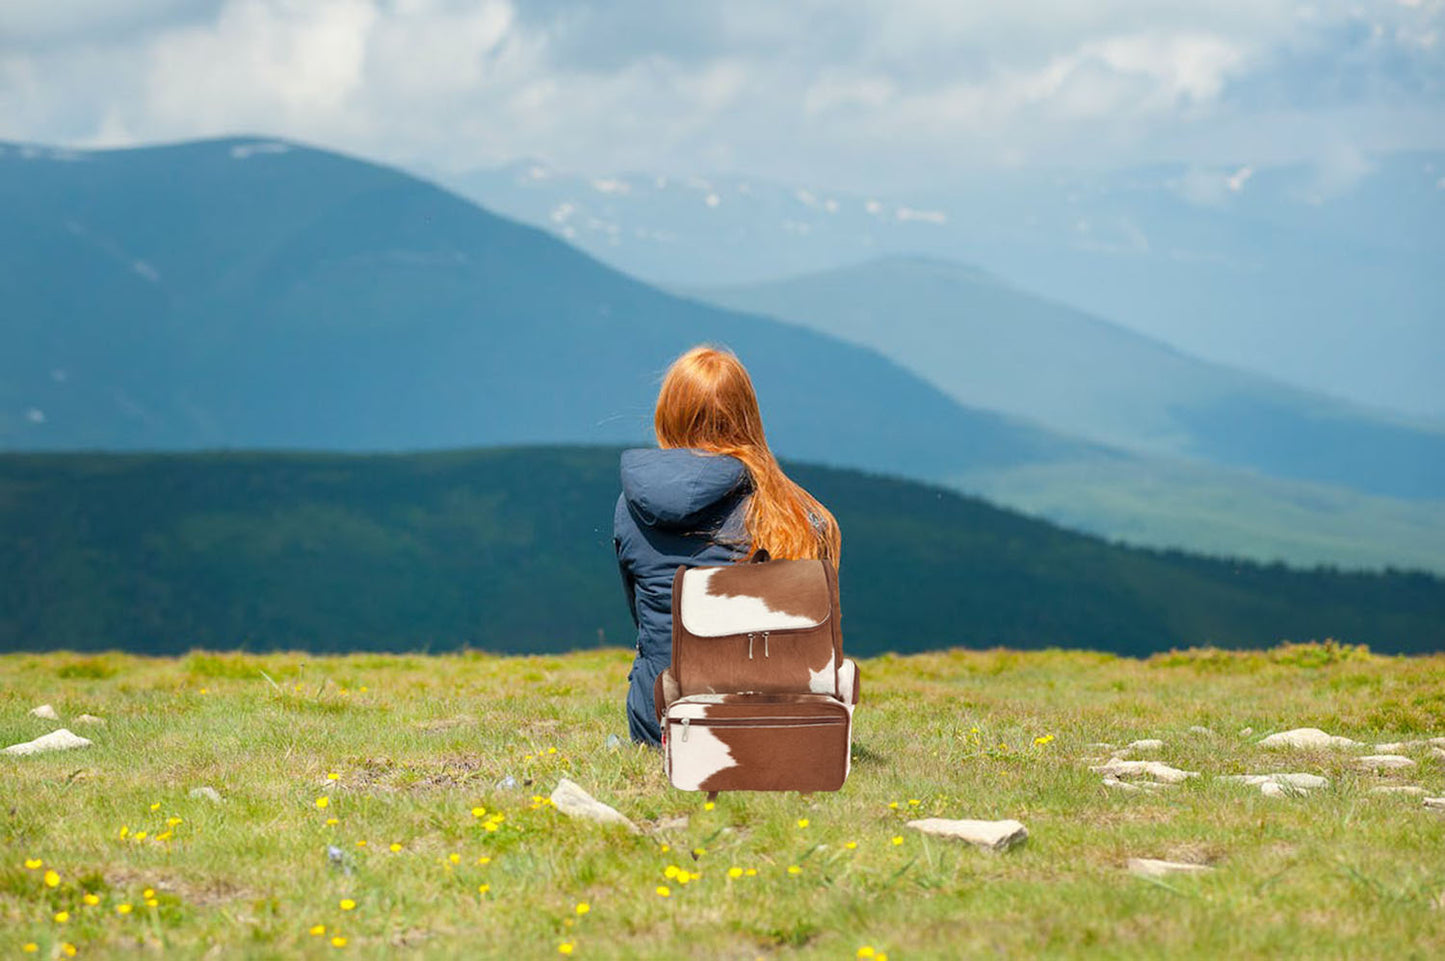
<point x="849" y="93"/>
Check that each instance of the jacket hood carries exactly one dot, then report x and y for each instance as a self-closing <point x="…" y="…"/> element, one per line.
<point x="672" y="487"/>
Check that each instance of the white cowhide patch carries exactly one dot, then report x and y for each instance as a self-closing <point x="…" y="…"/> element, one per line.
<point x="693" y="761"/>
<point x="714" y="615"/>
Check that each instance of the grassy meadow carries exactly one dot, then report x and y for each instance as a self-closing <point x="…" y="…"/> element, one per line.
<point x="394" y="763"/>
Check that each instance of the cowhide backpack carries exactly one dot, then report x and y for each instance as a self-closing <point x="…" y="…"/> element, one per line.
<point x="759" y="696"/>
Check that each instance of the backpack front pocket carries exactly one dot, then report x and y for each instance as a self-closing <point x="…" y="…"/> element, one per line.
<point x="757" y="742"/>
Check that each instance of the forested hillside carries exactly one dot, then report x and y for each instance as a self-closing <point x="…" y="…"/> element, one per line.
<point x="510" y="549"/>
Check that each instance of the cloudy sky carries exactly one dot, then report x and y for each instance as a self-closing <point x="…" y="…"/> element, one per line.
<point x="846" y="93"/>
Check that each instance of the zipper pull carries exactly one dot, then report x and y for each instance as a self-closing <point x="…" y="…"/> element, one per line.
<point x="765" y="645"/>
<point x="685" y="722"/>
<point x="750" y="645"/>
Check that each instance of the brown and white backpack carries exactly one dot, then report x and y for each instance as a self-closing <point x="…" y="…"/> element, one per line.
<point x="759" y="696"/>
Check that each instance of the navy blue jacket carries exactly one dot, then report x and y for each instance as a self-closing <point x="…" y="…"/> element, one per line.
<point x="678" y="506"/>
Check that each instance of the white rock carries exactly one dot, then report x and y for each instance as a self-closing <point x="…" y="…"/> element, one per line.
<point x="1384" y="762"/>
<point x="1409" y="789"/>
<point x="1154" y="769"/>
<point x="45" y="711"/>
<point x="57" y="740"/>
<point x="1154" y="785"/>
<point x="994" y="835"/>
<point x="572" y="801"/>
<point x="1436" y="741"/>
<point x="1438" y="753"/>
<point x="1246" y="731"/>
<point x="90" y="719"/>
<point x="209" y="793"/>
<point x="1118" y="785"/>
<point x="1438" y="803"/>
<point x="1277" y="785"/>
<point x="1146" y="744"/>
<point x="1151" y="868"/>
<point x="1201" y="730"/>
<point x="1306" y="737"/>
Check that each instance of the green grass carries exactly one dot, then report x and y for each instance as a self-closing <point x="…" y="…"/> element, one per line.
<point x="417" y="742"/>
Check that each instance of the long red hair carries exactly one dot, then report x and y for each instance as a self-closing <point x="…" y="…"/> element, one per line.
<point x="707" y="402"/>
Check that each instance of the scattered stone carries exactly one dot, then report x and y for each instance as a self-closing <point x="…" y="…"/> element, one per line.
<point x="1154" y="769"/>
<point x="340" y="860"/>
<point x="1306" y="737"/>
<point x="613" y="742"/>
<point x="1147" y="744"/>
<point x="1118" y="785"/>
<point x="1438" y="753"/>
<point x="1396" y="747"/>
<point x="90" y="719"/>
<point x="1151" y="868"/>
<point x="993" y="835"/>
<point x="1246" y="731"/>
<point x="1279" y="785"/>
<point x="1154" y="785"/>
<point x="45" y="712"/>
<point x="1410" y="789"/>
<point x="1100" y="746"/>
<point x="1437" y="803"/>
<point x="209" y="793"/>
<point x="1202" y="731"/>
<point x="574" y="802"/>
<point x="1384" y="762"/>
<point x="1436" y="742"/>
<point x="57" y="740"/>
<point x="507" y="783"/>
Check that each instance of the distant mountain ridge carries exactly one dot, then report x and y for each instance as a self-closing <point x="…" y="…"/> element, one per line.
<point x="510" y="550"/>
<point x="245" y="293"/>
<point x="989" y="344"/>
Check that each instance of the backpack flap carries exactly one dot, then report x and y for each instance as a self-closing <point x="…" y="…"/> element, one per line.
<point x="767" y="627"/>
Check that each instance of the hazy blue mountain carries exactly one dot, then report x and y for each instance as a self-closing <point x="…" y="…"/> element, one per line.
<point x="1330" y="279"/>
<point x="989" y="344"/>
<point x="511" y="550"/>
<point x="258" y="294"/>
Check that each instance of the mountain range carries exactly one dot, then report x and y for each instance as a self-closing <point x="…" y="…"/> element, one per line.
<point x="1324" y="277"/>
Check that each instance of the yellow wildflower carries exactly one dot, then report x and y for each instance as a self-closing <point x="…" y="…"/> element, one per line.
<point x="866" y="951"/>
<point x="897" y="839"/>
<point x="347" y="904"/>
<point x="164" y="837"/>
<point x="364" y="689"/>
<point x="148" y="893"/>
<point x="484" y="860"/>
<point x="913" y="802"/>
<point x="204" y="691"/>
<point x="332" y="822"/>
<point x="124" y="830"/>
<point x="395" y="847"/>
<point x="794" y="869"/>
<point x="338" y="942"/>
<point x="52" y="879"/>
<point x="698" y="852"/>
<point x="735" y="872"/>
<point x="671" y="871"/>
<point x="803" y="822"/>
<point x="751" y="872"/>
<point x="551" y="750"/>
<point x="34" y="864"/>
<point x="478" y="812"/>
<point x="139" y="835"/>
<point x="90" y="899"/>
<point x="318" y="930"/>
<point x="172" y="822"/>
<point x="123" y="909"/>
<point x="709" y="805"/>
<point x="490" y="826"/>
<point x="893" y="805"/>
<point x="483" y="888"/>
<point x="665" y="848"/>
<point x="30" y="947"/>
<point x="67" y="949"/>
<point x="152" y="902"/>
<point x="156" y="806"/>
<point x="851" y="845"/>
<point x="565" y="947"/>
<point x="61" y="917"/>
<point x="323" y="802"/>
<point x="454" y="858"/>
<point x="333" y="776"/>
<point x="663" y="891"/>
<point x="361" y="844"/>
<point x="583" y="907"/>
